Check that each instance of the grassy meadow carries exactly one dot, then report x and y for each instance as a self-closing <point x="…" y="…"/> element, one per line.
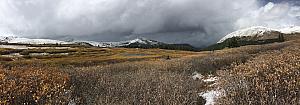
<point x="254" y="74"/>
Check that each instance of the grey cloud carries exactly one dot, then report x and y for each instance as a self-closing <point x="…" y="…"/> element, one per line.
<point x="198" y="22"/>
<point x="271" y="15"/>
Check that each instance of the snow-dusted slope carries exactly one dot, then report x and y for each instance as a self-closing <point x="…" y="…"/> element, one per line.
<point x="259" y="30"/>
<point x="20" y="40"/>
<point x="14" y="39"/>
<point x="122" y="43"/>
<point x="290" y="30"/>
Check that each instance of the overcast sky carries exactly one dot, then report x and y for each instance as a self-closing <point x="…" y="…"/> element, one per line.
<point x="197" y="22"/>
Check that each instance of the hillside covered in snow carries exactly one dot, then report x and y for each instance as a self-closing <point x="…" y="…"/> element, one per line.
<point x="123" y="43"/>
<point x="135" y="43"/>
<point x="259" y="31"/>
<point x="20" y="40"/>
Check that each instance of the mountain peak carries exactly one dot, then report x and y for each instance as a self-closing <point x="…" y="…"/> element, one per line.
<point x="139" y="40"/>
<point x="142" y="40"/>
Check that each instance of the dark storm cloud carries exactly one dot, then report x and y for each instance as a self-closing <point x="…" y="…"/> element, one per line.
<point x="199" y="22"/>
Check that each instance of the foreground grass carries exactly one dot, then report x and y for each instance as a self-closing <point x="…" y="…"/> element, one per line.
<point x="159" y="81"/>
<point x="272" y="78"/>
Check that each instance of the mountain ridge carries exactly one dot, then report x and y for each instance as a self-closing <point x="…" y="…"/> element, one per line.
<point x="135" y="43"/>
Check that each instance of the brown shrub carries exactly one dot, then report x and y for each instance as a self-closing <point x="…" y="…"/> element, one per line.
<point x="34" y="86"/>
<point x="211" y="63"/>
<point x="272" y="78"/>
<point x="146" y="82"/>
<point x="5" y="59"/>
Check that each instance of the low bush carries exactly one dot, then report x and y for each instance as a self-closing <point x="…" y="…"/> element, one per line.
<point x="142" y="83"/>
<point x="28" y="85"/>
<point x="271" y="78"/>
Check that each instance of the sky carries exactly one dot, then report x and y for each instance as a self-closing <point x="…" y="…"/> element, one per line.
<point x="196" y="22"/>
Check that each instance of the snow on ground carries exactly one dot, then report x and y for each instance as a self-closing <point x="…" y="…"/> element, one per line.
<point x="26" y="47"/>
<point x="14" y="39"/>
<point x="290" y="30"/>
<point x="211" y="79"/>
<point x="36" y="41"/>
<point x="197" y="76"/>
<point x="14" y="46"/>
<point x="210" y="96"/>
<point x="50" y="48"/>
<point x="13" y="55"/>
<point x="37" y="54"/>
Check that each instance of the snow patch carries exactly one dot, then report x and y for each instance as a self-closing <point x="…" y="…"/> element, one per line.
<point x="197" y="76"/>
<point x="14" y="46"/>
<point x="290" y="30"/>
<point x="210" y="96"/>
<point x="13" y="55"/>
<point x="211" y="79"/>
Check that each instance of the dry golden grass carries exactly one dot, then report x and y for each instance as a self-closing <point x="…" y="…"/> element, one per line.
<point x="34" y="86"/>
<point x="153" y="82"/>
<point x="88" y="56"/>
<point x="143" y="83"/>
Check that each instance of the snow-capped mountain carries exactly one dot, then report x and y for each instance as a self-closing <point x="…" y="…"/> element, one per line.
<point x="259" y="31"/>
<point x="255" y="36"/>
<point x="252" y="31"/>
<point x="139" y="43"/>
<point x="123" y="43"/>
<point x="135" y="43"/>
<point x="20" y="40"/>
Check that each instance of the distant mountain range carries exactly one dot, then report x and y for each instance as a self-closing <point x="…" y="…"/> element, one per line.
<point x="248" y="36"/>
<point x="140" y="43"/>
<point x="121" y="43"/>
<point x="135" y="43"/>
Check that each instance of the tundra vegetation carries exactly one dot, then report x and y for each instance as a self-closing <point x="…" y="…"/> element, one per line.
<point x="253" y="74"/>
